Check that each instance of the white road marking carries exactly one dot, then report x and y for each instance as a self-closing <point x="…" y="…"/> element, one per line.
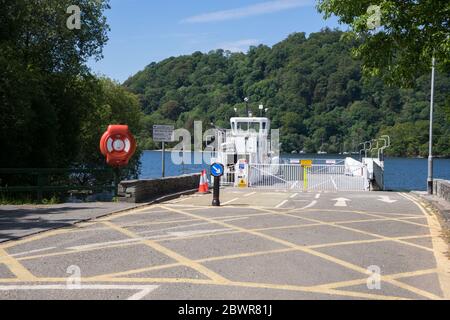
<point x="294" y="195"/>
<point x="281" y="204"/>
<point x="313" y="203"/>
<point x="136" y="240"/>
<point x="317" y="196"/>
<point x="341" y="202"/>
<point x="31" y="251"/>
<point x="271" y="193"/>
<point x="176" y="227"/>
<point x="230" y="201"/>
<point x="249" y="194"/>
<point x="189" y="225"/>
<point x="179" y="200"/>
<point x="141" y="294"/>
<point x="107" y="243"/>
<point x="194" y="232"/>
<point x="143" y="289"/>
<point x="386" y="199"/>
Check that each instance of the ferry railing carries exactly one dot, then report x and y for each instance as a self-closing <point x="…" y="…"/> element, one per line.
<point x="318" y="177"/>
<point x="316" y="161"/>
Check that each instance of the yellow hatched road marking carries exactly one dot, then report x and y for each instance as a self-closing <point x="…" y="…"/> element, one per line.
<point x="395" y="276"/>
<point x="172" y="254"/>
<point x="332" y="224"/>
<point x="22" y="273"/>
<point x="440" y="246"/>
<point x="242" y="255"/>
<point x="133" y="243"/>
<point x="311" y="289"/>
<point x="32" y="238"/>
<point x="312" y="252"/>
<point x="15" y="267"/>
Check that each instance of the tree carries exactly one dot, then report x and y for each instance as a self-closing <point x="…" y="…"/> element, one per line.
<point x="398" y="37"/>
<point x="314" y="90"/>
<point x="111" y="104"/>
<point x="46" y="90"/>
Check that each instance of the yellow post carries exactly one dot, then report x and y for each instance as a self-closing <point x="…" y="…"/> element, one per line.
<point x="305" y="178"/>
<point x="305" y="164"/>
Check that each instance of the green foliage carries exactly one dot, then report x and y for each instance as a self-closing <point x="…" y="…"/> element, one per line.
<point x="53" y="111"/>
<point x="401" y="48"/>
<point x="111" y="104"/>
<point x="312" y="86"/>
<point x="5" y="200"/>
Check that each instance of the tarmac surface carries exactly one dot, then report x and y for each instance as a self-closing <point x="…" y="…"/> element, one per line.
<point x="260" y="244"/>
<point x="18" y="221"/>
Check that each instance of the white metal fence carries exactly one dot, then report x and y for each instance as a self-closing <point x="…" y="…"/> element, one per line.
<point x="318" y="177"/>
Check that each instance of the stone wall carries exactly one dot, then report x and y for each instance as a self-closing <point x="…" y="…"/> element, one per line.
<point x="137" y="191"/>
<point x="441" y="188"/>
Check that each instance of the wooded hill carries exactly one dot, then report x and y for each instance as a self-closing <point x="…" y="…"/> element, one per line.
<point x="314" y="91"/>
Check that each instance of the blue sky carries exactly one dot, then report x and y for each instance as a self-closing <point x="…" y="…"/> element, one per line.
<point x="143" y="31"/>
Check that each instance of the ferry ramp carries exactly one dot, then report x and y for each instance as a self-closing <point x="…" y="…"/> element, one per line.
<point x="259" y="244"/>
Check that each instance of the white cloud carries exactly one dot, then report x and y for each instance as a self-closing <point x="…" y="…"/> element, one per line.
<point x="239" y="46"/>
<point x="252" y="10"/>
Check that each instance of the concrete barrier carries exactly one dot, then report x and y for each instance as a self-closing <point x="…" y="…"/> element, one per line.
<point x="441" y="188"/>
<point x="137" y="191"/>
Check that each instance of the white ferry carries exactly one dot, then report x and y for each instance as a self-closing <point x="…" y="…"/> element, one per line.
<point x="247" y="141"/>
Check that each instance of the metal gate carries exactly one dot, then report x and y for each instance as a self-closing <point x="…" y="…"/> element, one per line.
<point x="318" y="177"/>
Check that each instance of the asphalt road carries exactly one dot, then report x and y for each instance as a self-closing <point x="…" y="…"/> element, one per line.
<point x="263" y="244"/>
<point x="17" y="221"/>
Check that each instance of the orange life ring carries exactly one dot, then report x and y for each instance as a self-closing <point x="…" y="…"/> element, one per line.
<point x="117" y="145"/>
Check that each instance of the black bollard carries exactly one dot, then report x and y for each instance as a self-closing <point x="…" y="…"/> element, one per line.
<point x="216" y="192"/>
<point x="217" y="170"/>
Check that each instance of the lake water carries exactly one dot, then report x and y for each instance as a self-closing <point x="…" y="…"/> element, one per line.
<point x="400" y="173"/>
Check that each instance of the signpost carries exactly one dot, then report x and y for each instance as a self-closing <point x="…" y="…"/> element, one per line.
<point x="217" y="170"/>
<point x="163" y="134"/>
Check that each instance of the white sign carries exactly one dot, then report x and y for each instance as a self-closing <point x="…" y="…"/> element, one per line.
<point x="241" y="174"/>
<point x="163" y="133"/>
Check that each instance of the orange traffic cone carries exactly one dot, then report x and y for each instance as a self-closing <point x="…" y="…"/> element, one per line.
<point x="203" y="185"/>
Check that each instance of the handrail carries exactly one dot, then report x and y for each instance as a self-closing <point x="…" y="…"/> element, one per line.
<point x="42" y="176"/>
<point x="370" y="146"/>
<point x="374" y="148"/>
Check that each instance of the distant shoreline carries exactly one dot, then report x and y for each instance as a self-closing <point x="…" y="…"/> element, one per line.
<point x="302" y="155"/>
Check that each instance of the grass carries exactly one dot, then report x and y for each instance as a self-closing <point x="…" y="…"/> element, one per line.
<point x="5" y="200"/>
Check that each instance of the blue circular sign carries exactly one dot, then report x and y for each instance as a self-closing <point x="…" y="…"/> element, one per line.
<point x="217" y="169"/>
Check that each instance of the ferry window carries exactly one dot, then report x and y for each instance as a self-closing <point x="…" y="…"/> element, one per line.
<point x="242" y="126"/>
<point x="245" y="126"/>
<point x="254" y="126"/>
